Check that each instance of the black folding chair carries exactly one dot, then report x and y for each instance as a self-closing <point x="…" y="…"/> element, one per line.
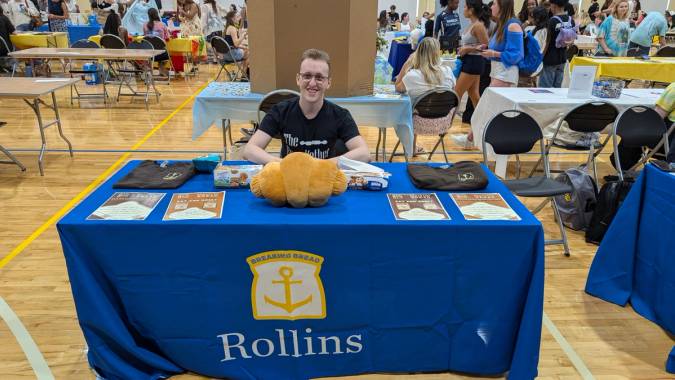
<point x="131" y="70"/>
<point x="98" y="71"/>
<point x="224" y="49"/>
<point x="159" y="44"/>
<point x="639" y="127"/>
<point x="111" y="41"/>
<point x="515" y="132"/>
<point x="439" y="103"/>
<point x="591" y="117"/>
<point x="4" y="56"/>
<point x="14" y="160"/>
<point x="666" y="51"/>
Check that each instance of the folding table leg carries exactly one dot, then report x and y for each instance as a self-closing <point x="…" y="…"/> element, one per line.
<point x="58" y="124"/>
<point x="384" y="144"/>
<point x="225" y="128"/>
<point x="11" y="157"/>
<point x="36" y="109"/>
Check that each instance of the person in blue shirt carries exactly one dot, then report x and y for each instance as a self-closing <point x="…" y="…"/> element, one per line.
<point x="654" y="24"/>
<point x="447" y="23"/>
<point x="505" y="49"/>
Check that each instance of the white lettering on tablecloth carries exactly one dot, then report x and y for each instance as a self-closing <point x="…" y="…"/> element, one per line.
<point x="235" y="345"/>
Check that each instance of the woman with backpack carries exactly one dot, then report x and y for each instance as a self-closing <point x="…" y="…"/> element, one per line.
<point x="560" y="35"/>
<point x="614" y="32"/>
<point x="505" y="52"/>
<point x="506" y="46"/>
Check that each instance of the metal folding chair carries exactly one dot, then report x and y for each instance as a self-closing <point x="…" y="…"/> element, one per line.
<point x="591" y="117"/>
<point x="159" y="44"/>
<point x="639" y="127"/>
<point x="86" y="44"/>
<point x="14" y="160"/>
<point x="224" y="49"/>
<point x="131" y="70"/>
<point x="433" y="113"/>
<point x="515" y="132"/>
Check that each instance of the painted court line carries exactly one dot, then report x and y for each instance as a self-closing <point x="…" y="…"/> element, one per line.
<point x="33" y="354"/>
<point x="54" y="218"/>
<point x="567" y="348"/>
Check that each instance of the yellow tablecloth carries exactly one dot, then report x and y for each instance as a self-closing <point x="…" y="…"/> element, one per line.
<point x="194" y="45"/>
<point x="656" y="69"/>
<point x="40" y="39"/>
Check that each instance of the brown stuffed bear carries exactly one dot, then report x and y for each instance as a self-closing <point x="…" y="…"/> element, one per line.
<point x="299" y="180"/>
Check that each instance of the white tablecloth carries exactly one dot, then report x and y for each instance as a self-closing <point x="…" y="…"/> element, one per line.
<point x="545" y="108"/>
<point x="235" y="101"/>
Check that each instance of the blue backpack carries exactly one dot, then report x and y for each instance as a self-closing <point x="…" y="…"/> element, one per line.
<point x="532" y="56"/>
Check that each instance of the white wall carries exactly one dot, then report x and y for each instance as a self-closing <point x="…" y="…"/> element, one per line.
<point x="402" y="6"/>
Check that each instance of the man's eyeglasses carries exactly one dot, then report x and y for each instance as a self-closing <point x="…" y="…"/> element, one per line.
<point x="308" y="77"/>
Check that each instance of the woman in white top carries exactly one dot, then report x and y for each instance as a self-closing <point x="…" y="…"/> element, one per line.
<point x="212" y="23"/>
<point x="423" y="72"/>
<point x="405" y="23"/>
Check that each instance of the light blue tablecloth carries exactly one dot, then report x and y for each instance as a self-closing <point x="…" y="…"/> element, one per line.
<point x="235" y="101"/>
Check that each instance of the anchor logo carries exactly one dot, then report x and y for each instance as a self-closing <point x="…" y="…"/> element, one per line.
<point x="286" y="274"/>
<point x="286" y="285"/>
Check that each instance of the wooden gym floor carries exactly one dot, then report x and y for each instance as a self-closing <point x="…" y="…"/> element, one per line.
<point x="582" y="337"/>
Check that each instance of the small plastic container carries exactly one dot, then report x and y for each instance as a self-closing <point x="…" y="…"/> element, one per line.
<point x="607" y="88"/>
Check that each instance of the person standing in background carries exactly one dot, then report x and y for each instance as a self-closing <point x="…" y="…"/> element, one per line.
<point x="593" y="9"/>
<point x="393" y="16"/>
<point x="447" y="23"/>
<point x="554" y="55"/>
<point x="614" y="32"/>
<point x="189" y="17"/>
<point x="58" y="14"/>
<point x="21" y="13"/>
<point x="525" y="14"/>
<point x="654" y="24"/>
<point x="405" y="23"/>
<point x="212" y="23"/>
<point x="506" y="46"/>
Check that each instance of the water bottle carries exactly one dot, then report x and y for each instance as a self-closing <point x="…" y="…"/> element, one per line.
<point x="90" y="77"/>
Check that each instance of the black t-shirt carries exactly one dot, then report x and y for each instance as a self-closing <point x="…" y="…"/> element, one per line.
<point x="317" y="136"/>
<point x="592" y="9"/>
<point x="393" y="17"/>
<point x="553" y="55"/>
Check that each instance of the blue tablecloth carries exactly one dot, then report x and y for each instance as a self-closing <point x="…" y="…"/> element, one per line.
<point x="235" y="101"/>
<point x="398" y="54"/>
<point x="636" y="260"/>
<point x="82" y="32"/>
<point x="157" y="298"/>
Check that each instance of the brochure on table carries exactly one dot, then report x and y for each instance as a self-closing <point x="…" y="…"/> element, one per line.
<point x="419" y="206"/>
<point x="191" y="206"/>
<point x="484" y="206"/>
<point x="127" y="206"/>
<point x="581" y="82"/>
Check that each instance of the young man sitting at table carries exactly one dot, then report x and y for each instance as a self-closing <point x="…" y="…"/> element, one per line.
<point x="309" y="123"/>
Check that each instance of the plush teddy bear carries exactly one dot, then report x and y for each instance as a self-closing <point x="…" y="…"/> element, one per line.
<point x="299" y="180"/>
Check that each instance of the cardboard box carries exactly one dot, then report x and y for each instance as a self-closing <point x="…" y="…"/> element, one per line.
<point x="280" y="30"/>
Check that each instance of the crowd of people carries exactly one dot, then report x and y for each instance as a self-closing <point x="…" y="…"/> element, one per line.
<point x="491" y="47"/>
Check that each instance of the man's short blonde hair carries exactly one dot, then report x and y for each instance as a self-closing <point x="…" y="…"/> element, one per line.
<point x="317" y="55"/>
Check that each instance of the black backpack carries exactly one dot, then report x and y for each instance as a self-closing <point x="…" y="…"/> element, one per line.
<point x="611" y="196"/>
